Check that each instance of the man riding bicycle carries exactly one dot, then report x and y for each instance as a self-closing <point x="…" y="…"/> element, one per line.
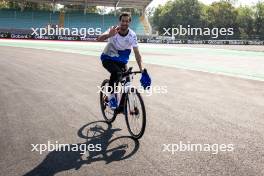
<point x="116" y="53"/>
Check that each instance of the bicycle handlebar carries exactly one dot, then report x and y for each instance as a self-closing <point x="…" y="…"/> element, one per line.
<point x="129" y="72"/>
<point x="136" y="72"/>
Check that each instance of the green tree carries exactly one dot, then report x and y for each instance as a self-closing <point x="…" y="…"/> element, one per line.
<point x="92" y="9"/>
<point x="3" y="4"/>
<point x="31" y="6"/>
<point x="45" y="7"/>
<point x="13" y="5"/>
<point x="177" y="12"/>
<point x="259" y="17"/>
<point x="245" y="21"/>
<point x="222" y="14"/>
<point x="8" y="4"/>
<point x="156" y="18"/>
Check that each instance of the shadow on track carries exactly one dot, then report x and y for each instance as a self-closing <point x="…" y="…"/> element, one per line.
<point x="98" y="132"/>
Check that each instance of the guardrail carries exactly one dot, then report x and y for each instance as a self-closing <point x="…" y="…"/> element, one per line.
<point x="8" y="35"/>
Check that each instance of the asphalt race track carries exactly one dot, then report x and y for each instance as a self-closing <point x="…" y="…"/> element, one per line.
<point x="52" y="96"/>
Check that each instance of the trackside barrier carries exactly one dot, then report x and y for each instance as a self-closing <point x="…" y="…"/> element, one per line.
<point x="7" y="35"/>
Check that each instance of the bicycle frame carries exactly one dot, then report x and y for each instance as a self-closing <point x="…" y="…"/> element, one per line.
<point x="126" y="86"/>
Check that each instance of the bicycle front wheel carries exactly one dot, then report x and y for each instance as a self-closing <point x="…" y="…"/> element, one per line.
<point x="135" y="114"/>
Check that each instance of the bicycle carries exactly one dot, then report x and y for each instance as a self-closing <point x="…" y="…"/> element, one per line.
<point x="130" y="103"/>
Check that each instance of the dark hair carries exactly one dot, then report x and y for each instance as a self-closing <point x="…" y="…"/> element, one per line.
<point x="125" y="14"/>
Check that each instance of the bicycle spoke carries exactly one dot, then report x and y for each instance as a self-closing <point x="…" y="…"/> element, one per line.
<point x="133" y="114"/>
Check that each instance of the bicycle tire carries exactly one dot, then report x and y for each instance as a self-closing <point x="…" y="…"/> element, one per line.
<point x="142" y="130"/>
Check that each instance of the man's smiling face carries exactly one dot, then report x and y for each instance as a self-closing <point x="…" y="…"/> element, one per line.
<point x="124" y="23"/>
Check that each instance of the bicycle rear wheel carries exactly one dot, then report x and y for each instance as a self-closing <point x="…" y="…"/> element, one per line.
<point x="108" y="114"/>
<point x="135" y="114"/>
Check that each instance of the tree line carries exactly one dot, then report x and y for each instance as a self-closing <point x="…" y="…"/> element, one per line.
<point x="246" y="21"/>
